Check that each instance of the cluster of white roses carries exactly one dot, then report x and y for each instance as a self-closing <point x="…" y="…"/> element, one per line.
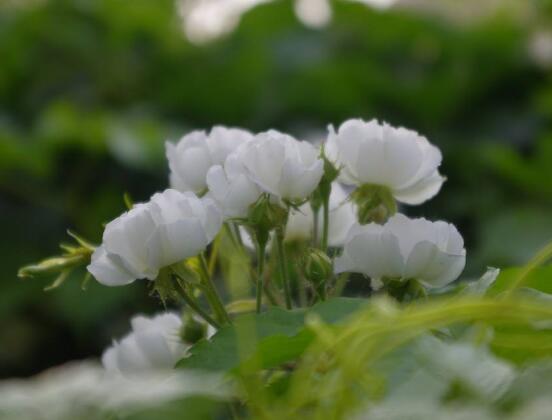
<point x="341" y="195"/>
<point x="230" y="169"/>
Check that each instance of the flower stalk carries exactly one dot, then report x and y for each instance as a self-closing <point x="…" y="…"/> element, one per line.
<point x="182" y="292"/>
<point x="282" y="262"/>
<point x="211" y="293"/>
<point x="260" y="274"/>
<point x="325" y="221"/>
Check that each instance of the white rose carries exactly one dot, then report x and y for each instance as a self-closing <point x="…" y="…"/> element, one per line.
<point x="403" y="248"/>
<point x="153" y="344"/>
<point x="281" y="165"/>
<point x="196" y="152"/>
<point x="171" y="227"/>
<point x="378" y="154"/>
<point x="342" y="217"/>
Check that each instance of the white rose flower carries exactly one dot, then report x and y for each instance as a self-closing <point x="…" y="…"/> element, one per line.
<point x="153" y="344"/>
<point x="430" y="252"/>
<point x="281" y="165"/>
<point x="342" y="216"/>
<point x="196" y="152"/>
<point x="378" y="154"/>
<point x="171" y="227"/>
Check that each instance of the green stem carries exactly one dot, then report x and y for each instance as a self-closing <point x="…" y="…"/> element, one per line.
<point x="340" y="283"/>
<point x="211" y="293"/>
<point x="325" y="221"/>
<point x="193" y="304"/>
<point x="315" y="217"/>
<point x="260" y="273"/>
<point x="322" y="292"/>
<point x="283" y="265"/>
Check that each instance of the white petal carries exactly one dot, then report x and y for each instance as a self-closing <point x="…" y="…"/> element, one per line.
<point x="422" y="191"/>
<point x="411" y="231"/>
<point x="402" y="155"/>
<point x="213" y="219"/>
<point x="155" y="349"/>
<point x="175" y="242"/>
<point x="377" y="255"/>
<point x="224" y="140"/>
<point x="109" y="359"/>
<point x="264" y="161"/>
<point x="126" y="236"/>
<point x="193" y="164"/>
<point x="130" y="358"/>
<point x="432" y="266"/>
<point x="298" y="182"/>
<point x="217" y="182"/>
<point x="341" y="220"/>
<point x="344" y="264"/>
<point x="106" y="270"/>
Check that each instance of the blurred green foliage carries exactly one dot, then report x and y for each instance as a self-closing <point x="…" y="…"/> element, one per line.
<point x="90" y="89"/>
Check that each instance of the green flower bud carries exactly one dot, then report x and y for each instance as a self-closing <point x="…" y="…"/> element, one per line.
<point x="192" y="331"/>
<point x="317" y="266"/>
<point x="265" y="216"/>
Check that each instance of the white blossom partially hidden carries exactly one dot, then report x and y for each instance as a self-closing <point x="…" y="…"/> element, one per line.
<point x="342" y="216"/>
<point x="403" y="248"/>
<point x="191" y="158"/>
<point x="379" y="154"/>
<point x="170" y="227"/>
<point x="153" y="344"/>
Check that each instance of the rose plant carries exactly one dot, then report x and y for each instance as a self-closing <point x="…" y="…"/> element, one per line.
<point x="316" y="217"/>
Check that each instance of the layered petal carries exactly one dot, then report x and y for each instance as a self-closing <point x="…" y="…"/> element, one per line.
<point x="234" y="192"/>
<point x="379" y="154"/>
<point x="281" y="166"/>
<point x="403" y="248"/>
<point x="195" y="153"/>
<point x="169" y="228"/>
<point x="107" y="270"/>
<point x="152" y="344"/>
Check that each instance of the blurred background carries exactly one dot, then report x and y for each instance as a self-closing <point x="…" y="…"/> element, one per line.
<point x="91" y="89"/>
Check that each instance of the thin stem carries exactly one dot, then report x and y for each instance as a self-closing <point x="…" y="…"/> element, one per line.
<point x="315" y="218"/>
<point x="325" y="222"/>
<point x="283" y="265"/>
<point x="322" y="292"/>
<point x="193" y="304"/>
<point x="211" y="293"/>
<point x="214" y="255"/>
<point x="260" y="273"/>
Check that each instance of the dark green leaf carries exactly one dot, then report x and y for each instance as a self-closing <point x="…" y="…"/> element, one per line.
<point x="274" y="337"/>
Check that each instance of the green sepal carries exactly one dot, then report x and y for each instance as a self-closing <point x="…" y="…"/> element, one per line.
<point x="375" y="203"/>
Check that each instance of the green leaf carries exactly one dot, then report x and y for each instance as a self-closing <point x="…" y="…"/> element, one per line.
<point x="539" y="279"/>
<point x="273" y="337"/>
